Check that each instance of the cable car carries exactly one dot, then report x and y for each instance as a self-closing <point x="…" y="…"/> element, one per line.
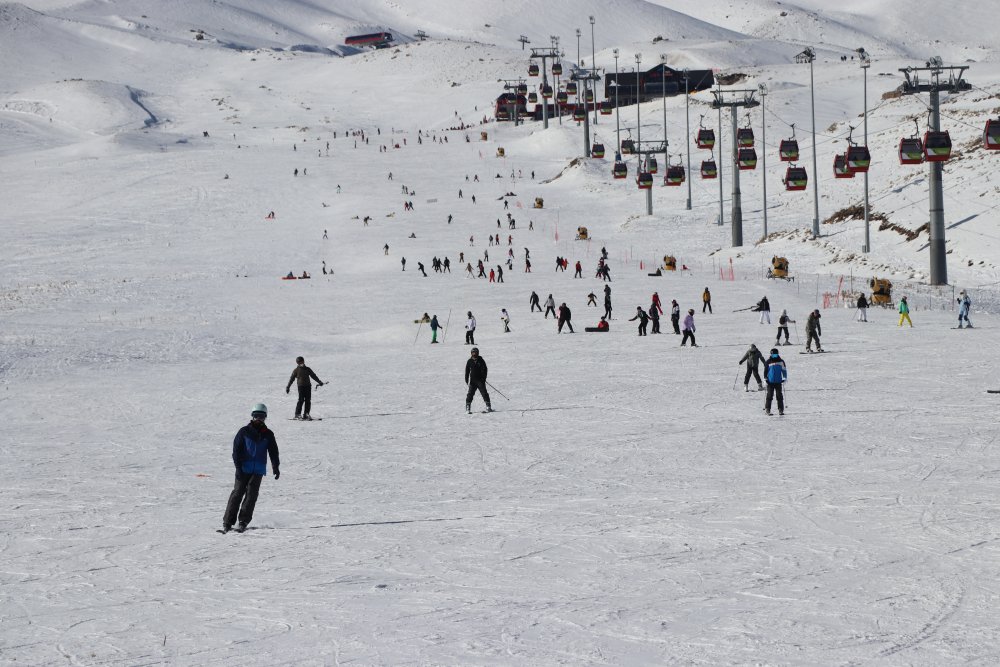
<point x="991" y="135"/>
<point x="674" y="176"/>
<point x="788" y="150"/>
<point x="579" y="114"/>
<point x="522" y="89"/>
<point x="628" y="146"/>
<point x="589" y="96"/>
<point x="547" y="91"/>
<point x="911" y="150"/>
<point x="858" y="159"/>
<point x="651" y="165"/>
<point x="705" y="138"/>
<point x="709" y="169"/>
<point x="532" y="69"/>
<point x="597" y="150"/>
<point x="645" y="180"/>
<point x="620" y="170"/>
<point x="937" y="146"/>
<point x="744" y="137"/>
<point x="840" y="168"/>
<point x="556" y="69"/>
<point x="562" y="97"/>
<point x="607" y="108"/>
<point x="571" y="87"/>
<point x="533" y="97"/>
<point x="796" y="178"/>
<point x="747" y="159"/>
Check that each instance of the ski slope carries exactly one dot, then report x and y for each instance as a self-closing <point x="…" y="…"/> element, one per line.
<point x="628" y="503"/>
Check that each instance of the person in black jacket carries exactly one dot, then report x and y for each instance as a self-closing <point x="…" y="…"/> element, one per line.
<point x="654" y="315"/>
<point x="301" y="375"/>
<point x="475" y="377"/>
<point x="565" y="317"/>
<point x="252" y="446"/>
<point x="643" y="318"/>
<point x="533" y="302"/>
<point x="753" y="358"/>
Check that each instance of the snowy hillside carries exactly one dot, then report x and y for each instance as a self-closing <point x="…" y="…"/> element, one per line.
<point x="629" y="502"/>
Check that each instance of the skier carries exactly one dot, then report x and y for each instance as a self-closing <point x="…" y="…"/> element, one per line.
<point x="753" y="357"/>
<point x="533" y="302"/>
<point x="475" y="377"/>
<point x="764" y="308"/>
<point x="505" y="318"/>
<point x="656" y="302"/>
<point x="813" y="331"/>
<point x="253" y="444"/>
<point x="607" y="301"/>
<point x="706" y="301"/>
<point x="904" y="312"/>
<point x="654" y="315"/>
<point x="783" y="321"/>
<point x="420" y="267"/>
<point x="447" y="265"/>
<point x="964" y="306"/>
<point x="550" y="307"/>
<point x="403" y="262"/>
<point x="564" y="318"/>
<point x="643" y="318"/>
<point x="579" y="270"/>
<point x="301" y="375"/>
<point x="386" y="248"/>
<point x="499" y="273"/>
<point x="470" y="329"/>
<point x="434" y="329"/>
<point x="862" y="309"/>
<point x="592" y="299"/>
<point x="689" y="329"/>
<point x="777" y="373"/>
<point x="675" y="316"/>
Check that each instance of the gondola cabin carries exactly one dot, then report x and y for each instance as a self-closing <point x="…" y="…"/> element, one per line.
<point x="606" y="108"/>
<point x="378" y="40"/>
<point x="532" y="69"/>
<point x="788" y="150"/>
<point x="937" y="146"/>
<point x="747" y="159"/>
<point x="620" y="170"/>
<point x="522" y="89"/>
<point x="651" y="165"/>
<point x="709" y="169"/>
<point x="674" y="176"/>
<point x="562" y="97"/>
<point x="669" y="263"/>
<point x="597" y="150"/>
<point x="628" y="147"/>
<point x="705" y="138"/>
<point x="881" y="292"/>
<point x="911" y="150"/>
<point x="556" y="69"/>
<point x="991" y="135"/>
<point x="858" y="159"/>
<point x="579" y="115"/>
<point x="796" y="178"/>
<point x="840" y="169"/>
<point x="645" y="180"/>
<point x="744" y="137"/>
<point x="571" y="88"/>
<point x="589" y="96"/>
<point x="533" y="98"/>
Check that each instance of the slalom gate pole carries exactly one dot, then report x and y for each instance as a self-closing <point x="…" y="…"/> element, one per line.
<point x="445" y="334"/>
<point x="418" y="333"/>
<point x="495" y="389"/>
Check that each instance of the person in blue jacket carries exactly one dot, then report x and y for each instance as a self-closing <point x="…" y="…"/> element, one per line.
<point x="776" y="373"/>
<point x="252" y="446"/>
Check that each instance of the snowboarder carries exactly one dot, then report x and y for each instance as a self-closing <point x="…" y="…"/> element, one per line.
<point x="964" y="305"/>
<point x="550" y="307"/>
<point x="564" y="318"/>
<point x="643" y="318"/>
<point x="533" y="302"/>
<point x="475" y="378"/>
<point x="752" y="358"/>
<point x="505" y="318"/>
<point x="675" y="316"/>
<point x="764" y="308"/>
<point x="813" y="331"/>
<point x="689" y="329"/>
<point x="252" y="446"/>
<point x="777" y="373"/>
<point x="470" y="329"/>
<point x="301" y="375"/>
<point x="706" y="301"/>
<point x="783" y="321"/>
<point x="434" y="329"/>
<point x="904" y="312"/>
<point x="862" y="309"/>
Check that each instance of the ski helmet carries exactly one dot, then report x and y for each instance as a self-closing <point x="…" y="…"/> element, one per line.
<point x="774" y="351"/>
<point x="258" y="409"/>
<point x="475" y="350"/>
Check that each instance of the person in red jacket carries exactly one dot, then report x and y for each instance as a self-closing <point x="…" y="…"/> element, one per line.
<point x="656" y="302"/>
<point x="579" y="270"/>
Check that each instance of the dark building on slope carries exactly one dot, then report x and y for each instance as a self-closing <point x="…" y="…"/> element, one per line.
<point x="649" y="85"/>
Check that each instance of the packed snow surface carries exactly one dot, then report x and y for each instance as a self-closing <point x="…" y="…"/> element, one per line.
<point x="628" y="503"/>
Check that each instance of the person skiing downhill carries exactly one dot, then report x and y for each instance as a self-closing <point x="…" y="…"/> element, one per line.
<point x="470" y="329"/>
<point x="252" y="446"/>
<point x="475" y="378"/>
<point x="753" y="358"/>
<point x="550" y="307"/>
<point x="783" y="321"/>
<point x="777" y="373"/>
<point x="964" y="305"/>
<point x="301" y="375"/>
<point x="813" y="331"/>
<point x="904" y="312"/>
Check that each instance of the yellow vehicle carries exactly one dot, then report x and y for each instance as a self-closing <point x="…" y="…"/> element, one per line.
<point x="779" y="269"/>
<point x="582" y="234"/>
<point x="501" y="152"/>
<point x="539" y="202"/>
<point x="881" y="292"/>
<point x="669" y="263"/>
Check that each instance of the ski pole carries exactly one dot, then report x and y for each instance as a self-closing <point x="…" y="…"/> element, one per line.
<point x="445" y="327"/>
<point x="737" y="378"/>
<point x="418" y="332"/>
<point x="796" y="333"/>
<point x="496" y="390"/>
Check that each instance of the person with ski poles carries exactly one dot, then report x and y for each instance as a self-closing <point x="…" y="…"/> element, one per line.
<point x="777" y="373"/>
<point x="475" y="378"/>
<point x="301" y="375"/>
<point x="252" y="446"/>
<point x="813" y="331"/>
<point x="964" y="306"/>
<point x="434" y="329"/>
<point x="752" y="358"/>
<point x="783" y="321"/>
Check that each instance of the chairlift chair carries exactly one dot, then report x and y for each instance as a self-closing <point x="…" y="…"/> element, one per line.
<point x="840" y="168"/>
<point x="709" y="169"/>
<point x="747" y="159"/>
<point x="796" y="178"/>
<point x="858" y="159"/>
<point x="532" y="69"/>
<point x="645" y="180"/>
<point x="937" y="146"/>
<point x="991" y="135"/>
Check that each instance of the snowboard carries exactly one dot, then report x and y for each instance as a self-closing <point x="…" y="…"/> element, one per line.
<point x="993" y="391"/>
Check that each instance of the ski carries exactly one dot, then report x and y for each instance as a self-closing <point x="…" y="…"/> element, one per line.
<point x="993" y="391"/>
<point x="314" y="419"/>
